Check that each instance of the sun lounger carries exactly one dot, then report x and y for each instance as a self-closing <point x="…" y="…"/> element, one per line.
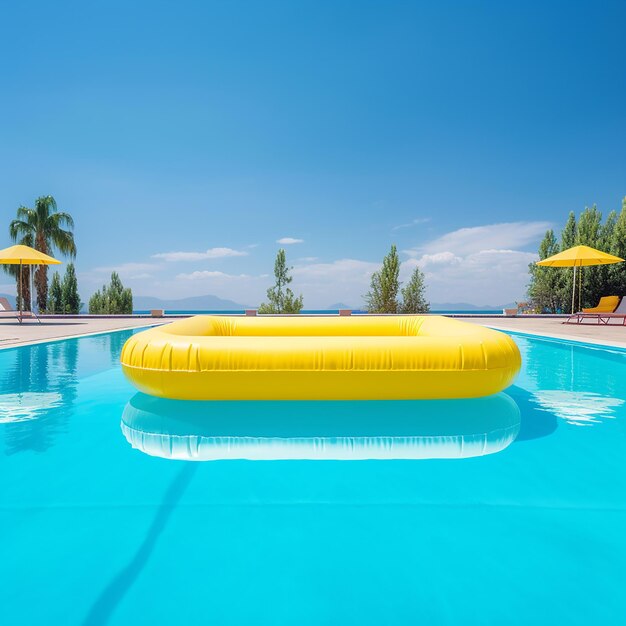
<point x="5" y="307"/>
<point x="607" y="304"/>
<point x="600" y="314"/>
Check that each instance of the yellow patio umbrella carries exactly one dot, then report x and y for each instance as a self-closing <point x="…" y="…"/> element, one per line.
<point x="24" y="255"/>
<point x="579" y="256"/>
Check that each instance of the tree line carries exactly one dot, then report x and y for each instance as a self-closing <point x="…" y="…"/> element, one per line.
<point x="49" y="230"/>
<point x="550" y="288"/>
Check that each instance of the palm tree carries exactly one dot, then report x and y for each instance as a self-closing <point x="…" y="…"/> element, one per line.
<point x="45" y="225"/>
<point x="23" y="288"/>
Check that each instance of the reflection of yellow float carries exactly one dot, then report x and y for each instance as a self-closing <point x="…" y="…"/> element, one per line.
<point x="424" y="429"/>
<point x="312" y="358"/>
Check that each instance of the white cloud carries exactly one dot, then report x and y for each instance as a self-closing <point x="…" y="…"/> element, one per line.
<point x="126" y="269"/>
<point x="439" y="258"/>
<point x="415" y="222"/>
<point x="344" y="280"/>
<point x="287" y="241"/>
<point x="342" y="270"/>
<point x="307" y="259"/>
<point x="207" y="274"/>
<point x="211" y="253"/>
<point x="508" y="235"/>
<point x="138" y="276"/>
<point x="480" y="265"/>
<point x="493" y="277"/>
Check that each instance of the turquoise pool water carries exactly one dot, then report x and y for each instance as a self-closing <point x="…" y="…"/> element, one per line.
<point x="104" y="521"/>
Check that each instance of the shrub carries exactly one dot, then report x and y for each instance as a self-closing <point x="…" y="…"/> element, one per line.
<point x="114" y="299"/>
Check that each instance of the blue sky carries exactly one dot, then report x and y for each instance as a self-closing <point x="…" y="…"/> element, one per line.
<point x="460" y="131"/>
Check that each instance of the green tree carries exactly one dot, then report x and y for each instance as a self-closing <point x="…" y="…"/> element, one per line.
<point x="385" y="285"/>
<point x="120" y="298"/>
<point x="96" y="303"/>
<point x="280" y="297"/>
<point x="413" y="298"/>
<point x="55" y="295"/>
<point x="69" y="289"/>
<point x="568" y="240"/>
<point x="114" y="299"/>
<point x="546" y="283"/>
<point x="568" y="234"/>
<point x="607" y="231"/>
<point x="617" y="271"/>
<point x="47" y="228"/>
<point x="589" y="227"/>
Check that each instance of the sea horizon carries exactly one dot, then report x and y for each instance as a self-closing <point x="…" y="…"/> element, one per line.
<point x="311" y="311"/>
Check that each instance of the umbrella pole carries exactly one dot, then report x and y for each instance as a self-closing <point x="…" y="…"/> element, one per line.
<point x="20" y="291"/>
<point x="580" y="289"/>
<point x="574" y="290"/>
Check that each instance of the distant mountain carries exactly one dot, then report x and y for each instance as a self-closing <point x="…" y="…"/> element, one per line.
<point x="466" y="306"/>
<point x="341" y="305"/>
<point x="196" y="303"/>
<point x="9" y="297"/>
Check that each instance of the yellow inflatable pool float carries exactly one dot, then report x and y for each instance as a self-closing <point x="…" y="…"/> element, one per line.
<point x="320" y="358"/>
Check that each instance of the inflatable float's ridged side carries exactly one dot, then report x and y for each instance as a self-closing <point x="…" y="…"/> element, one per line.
<point x="406" y="357"/>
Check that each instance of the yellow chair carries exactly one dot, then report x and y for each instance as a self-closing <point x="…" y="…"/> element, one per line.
<point x="607" y="304"/>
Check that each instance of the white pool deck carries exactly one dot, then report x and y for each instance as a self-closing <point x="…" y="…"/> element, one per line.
<point x="14" y="334"/>
<point x="606" y="335"/>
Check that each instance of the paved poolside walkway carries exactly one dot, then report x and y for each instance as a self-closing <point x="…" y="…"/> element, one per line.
<point x="12" y="333"/>
<point x="612" y="335"/>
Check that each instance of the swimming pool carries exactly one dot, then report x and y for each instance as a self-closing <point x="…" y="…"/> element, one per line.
<point x="507" y="510"/>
